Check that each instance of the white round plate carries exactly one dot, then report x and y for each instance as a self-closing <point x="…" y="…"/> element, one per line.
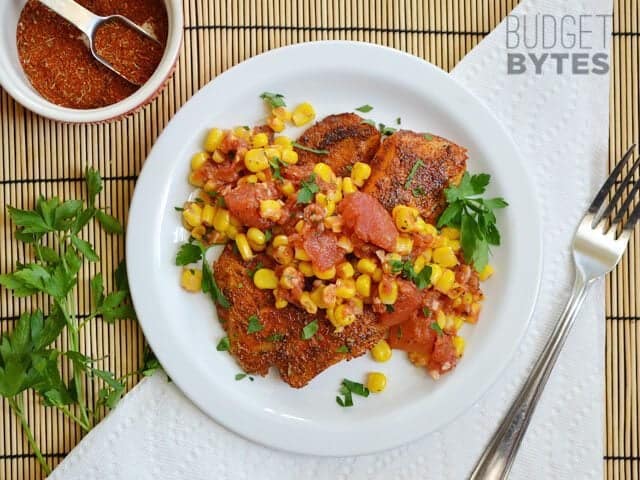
<point x="183" y="329"/>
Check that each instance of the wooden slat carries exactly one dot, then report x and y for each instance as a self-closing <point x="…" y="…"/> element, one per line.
<point x="39" y="156"/>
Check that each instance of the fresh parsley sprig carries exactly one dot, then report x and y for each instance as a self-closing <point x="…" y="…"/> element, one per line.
<point x="27" y="360"/>
<point x="194" y="252"/>
<point x="308" y="188"/>
<point x="474" y="217"/>
<point x="421" y="279"/>
<point x="347" y="389"/>
<point x="274" y="99"/>
<point x="309" y="149"/>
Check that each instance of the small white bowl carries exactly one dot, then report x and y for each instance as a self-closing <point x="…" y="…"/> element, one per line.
<point x="15" y="82"/>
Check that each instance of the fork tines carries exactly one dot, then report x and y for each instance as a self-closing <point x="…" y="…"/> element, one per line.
<point x="601" y="212"/>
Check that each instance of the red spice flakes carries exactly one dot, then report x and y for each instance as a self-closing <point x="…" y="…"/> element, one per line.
<point x="57" y="60"/>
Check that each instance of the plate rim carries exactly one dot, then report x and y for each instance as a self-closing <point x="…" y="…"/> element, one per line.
<point x="337" y="448"/>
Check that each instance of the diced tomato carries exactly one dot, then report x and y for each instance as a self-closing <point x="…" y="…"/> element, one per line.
<point x="405" y="307"/>
<point x="443" y="357"/>
<point x="323" y="249"/>
<point x="243" y="202"/>
<point x="297" y="173"/>
<point x="414" y="335"/>
<point x="367" y="219"/>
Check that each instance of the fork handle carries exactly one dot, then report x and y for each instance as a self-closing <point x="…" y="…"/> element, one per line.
<point x="496" y="460"/>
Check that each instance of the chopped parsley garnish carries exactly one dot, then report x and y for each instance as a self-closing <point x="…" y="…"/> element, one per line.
<point x="473" y="216"/>
<point x="254" y="324"/>
<point x="428" y="136"/>
<point x="273" y="99"/>
<point x="347" y="389"/>
<point x="309" y="330"/>
<point x="398" y="121"/>
<point x="418" y="191"/>
<point x="268" y="235"/>
<point x="399" y="333"/>
<point x="240" y="376"/>
<point x="223" y="344"/>
<point x="368" y="121"/>
<point x="436" y="327"/>
<point x="178" y="209"/>
<point x="390" y="308"/>
<point x="421" y="279"/>
<point x="309" y="149"/>
<point x="193" y="252"/>
<point x="419" y="163"/>
<point x="308" y="188"/>
<point x="342" y="349"/>
<point x="275" y="337"/>
<point x="364" y="108"/>
<point x="275" y="164"/>
<point x="252" y="271"/>
<point x="426" y="312"/>
<point x="384" y="130"/>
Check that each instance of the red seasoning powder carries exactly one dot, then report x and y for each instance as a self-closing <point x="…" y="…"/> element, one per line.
<point x="57" y="61"/>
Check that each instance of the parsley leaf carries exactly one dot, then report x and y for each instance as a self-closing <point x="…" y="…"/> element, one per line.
<point x="419" y="163"/>
<point x="109" y="222"/>
<point x="210" y="286"/>
<point x="188" y="253"/>
<point x="426" y="312"/>
<point x="254" y="324"/>
<point x="273" y="99"/>
<point x="252" y="271"/>
<point x="178" y="209"/>
<point x="347" y="389"/>
<point x="223" y="344"/>
<point x="342" y="349"/>
<point x="275" y="337"/>
<point x="309" y="330"/>
<point x="240" y="376"/>
<point x="364" y="108"/>
<point x="385" y="130"/>
<point x="428" y="136"/>
<point x="418" y="191"/>
<point x="434" y="326"/>
<point x="368" y="121"/>
<point x="390" y="308"/>
<point x="398" y="121"/>
<point x="309" y="149"/>
<point x="421" y="279"/>
<point x="307" y="190"/>
<point x="474" y="216"/>
<point x="275" y="164"/>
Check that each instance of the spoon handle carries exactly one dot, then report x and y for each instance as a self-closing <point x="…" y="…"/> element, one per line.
<point x="75" y="13"/>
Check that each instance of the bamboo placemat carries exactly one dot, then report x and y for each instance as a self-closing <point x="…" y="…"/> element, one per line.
<point x="39" y="156"/>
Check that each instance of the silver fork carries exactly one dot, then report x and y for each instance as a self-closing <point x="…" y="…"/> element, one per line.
<point x="598" y="245"/>
<point x="88" y="23"/>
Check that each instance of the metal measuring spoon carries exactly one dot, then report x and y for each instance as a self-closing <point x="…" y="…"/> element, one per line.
<point x="88" y="23"/>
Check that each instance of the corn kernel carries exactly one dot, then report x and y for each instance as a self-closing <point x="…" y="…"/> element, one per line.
<point x="486" y="272"/>
<point x="195" y="179"/>
<point x="333" y="222"/>
<point x="330" y="208"/>
<point x="321" y="199"/>
<point x="232" y="231"/>
<point x="419" y="264"/>
<point x="221" y="220"/>
<point x="324" y="172"/>
<point x="316" y="297"/>
<point x="256" y="160"/>
<point x="348" y="186"/>
<point x="307" y="303"/>
<point x="218" y="157"/>
<point x="300" y="254"/>
<point x="303" y="114"/>
<point x="265" y="279"/>
<point x="242" y="132"/>
<point x="257" y="248"/>
<point x="458" y="321"/>
<point x="260" y="140"/>
<point x="458" y="344"/>
<point x="306" y="269"/>
<point x="360" y="173"/>
<point x="280" y="241"/>
<point x="282" y="254"/>
<point x="343" y="316"/>
<point x="381" y="351"/>
<point x="345" y="270"/>
<point x="198" y="160"/>
<point x="198" y="232"/>
<point x="288" y="278"/>
<point x="276" y="124"/>
<point x="346" y="288"/>
<point x="321" y="274"/>
<point x="243" y="247"/>
<point x="290" y="157"/>
<point x="450" y="232"/>
<point x="475" y="308"/>
<point x="436" y="272"/>
<point x="283" y="141"/>
<point x="441" y="319"/>
<point x="213" y="139"/>
<point x="388" y="291"/>
<point x="366" y="265"/>
<point x="404" y="245"/>
<point x="454" y="244"/>
<point x="193" y="215"/>
<point x="250" y="178"/>
<point x="282" y="113"/>
<point x="446" y="281"/>
<point x="376" y="382"/>
<point x="445" y="257"/>
<point x="257" y="236"/>
<point x="270" y="209"/>
<point x="281" y="303"/>
<point x="357" y="304"/>
<point x="467" y="298"/>
<point x="288" y="188"/>
<point x="191" y="280"/>
<point x="345" y="244"/>
<point x="376" y="276"/>
<point x="363" y="285"/>
<point x="405" y="217"/>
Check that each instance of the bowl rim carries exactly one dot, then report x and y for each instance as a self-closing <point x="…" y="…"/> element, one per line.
<point x="141" y="97"/>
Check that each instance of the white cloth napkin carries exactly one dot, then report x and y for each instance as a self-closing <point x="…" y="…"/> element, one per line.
<point x="560" y="123"/>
